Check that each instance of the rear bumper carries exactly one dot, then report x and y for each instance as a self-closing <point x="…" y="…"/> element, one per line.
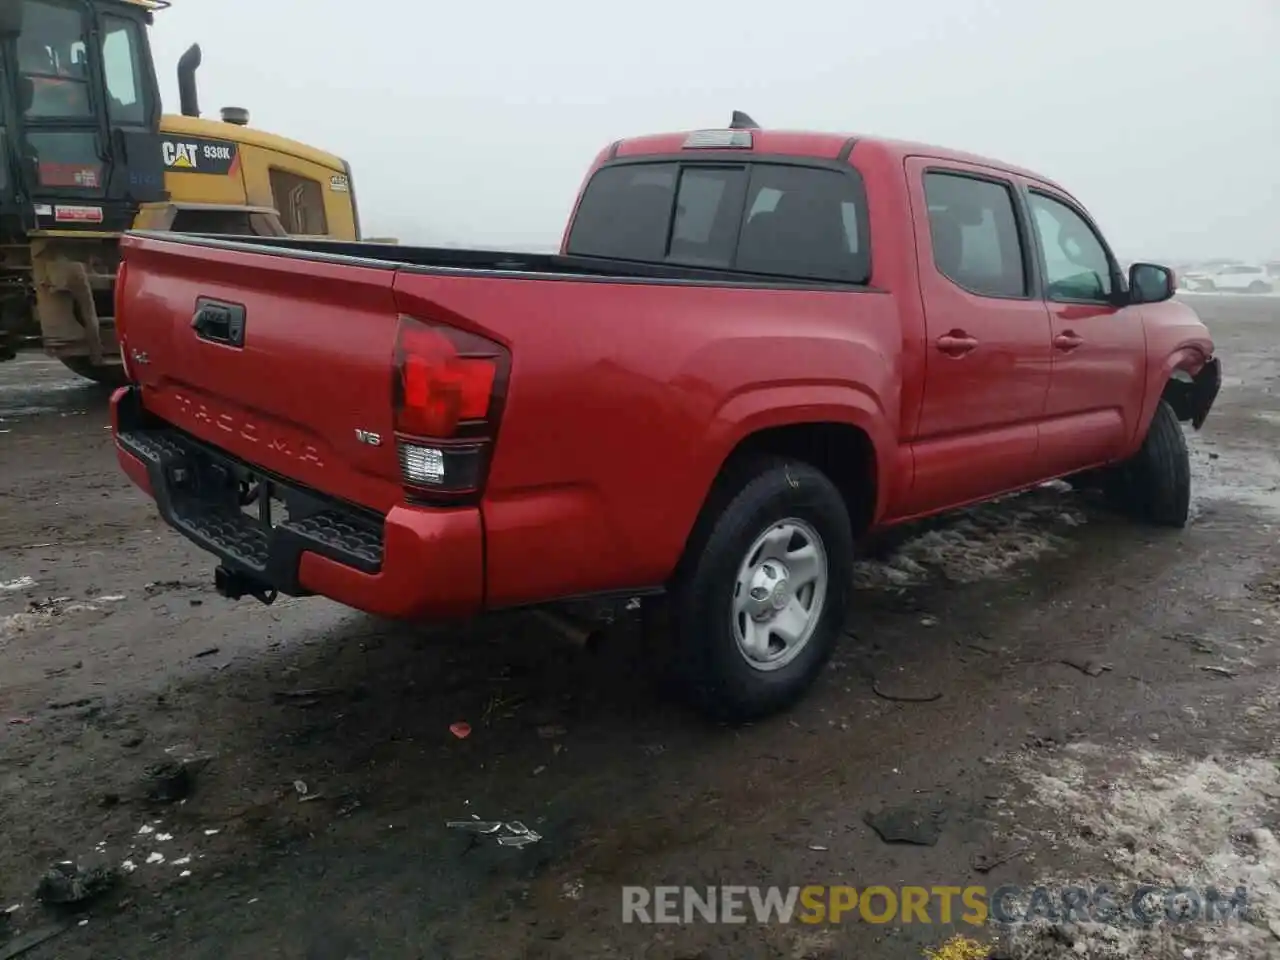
<point x="412" y="563"/>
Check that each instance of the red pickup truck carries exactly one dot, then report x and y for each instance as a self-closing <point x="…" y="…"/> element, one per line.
<point x="753" y="348"/>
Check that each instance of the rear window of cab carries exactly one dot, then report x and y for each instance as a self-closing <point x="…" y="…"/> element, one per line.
<point x="770" y="219"/>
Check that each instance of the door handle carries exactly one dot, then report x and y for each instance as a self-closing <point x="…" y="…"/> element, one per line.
<point x="1067" y="340"/>
<point x="956" y="343"/>
<point x="219" y="322"/>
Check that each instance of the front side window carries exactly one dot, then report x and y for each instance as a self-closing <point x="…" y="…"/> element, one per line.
<point x="52" y="62"/>
<point x="1076" y="264"/>
<point x="974" y="234"/>
<point x="122" y="67"/>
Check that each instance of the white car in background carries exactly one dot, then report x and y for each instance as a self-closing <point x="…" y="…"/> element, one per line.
<point x="1233" y="278"/>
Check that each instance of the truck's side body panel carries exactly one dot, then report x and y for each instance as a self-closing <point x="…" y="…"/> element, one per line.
<point x="626" y="399"/>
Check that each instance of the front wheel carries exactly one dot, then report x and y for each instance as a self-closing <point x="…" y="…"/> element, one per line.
<point x="1155" y="483"/>
<point x="760" y="602"/>
<point x="108" y="375"/>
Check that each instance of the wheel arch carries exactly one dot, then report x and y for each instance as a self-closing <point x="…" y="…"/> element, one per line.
<point x="1176" y="379"/>
<point x="841" y="433"/>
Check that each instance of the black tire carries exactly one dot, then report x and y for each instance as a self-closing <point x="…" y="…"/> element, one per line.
<point x="706" y="662"/>
<point x="1259" y="287"/>
<point x="1155" y="484"/>
<point x="108" y="375"/>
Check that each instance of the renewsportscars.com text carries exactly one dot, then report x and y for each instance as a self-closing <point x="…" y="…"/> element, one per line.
<point x="974" y="905"/>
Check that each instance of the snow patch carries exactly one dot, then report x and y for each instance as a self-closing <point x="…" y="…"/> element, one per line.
<point x="41" y="614"/>
<point x="1237" y="476"/>
<point x="13" y="586"/>
<point x="985" y="542"/>
<point x="1164" y="820"/>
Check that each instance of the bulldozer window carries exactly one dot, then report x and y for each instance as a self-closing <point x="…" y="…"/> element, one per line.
<point x="123" y="68"/>
<point x="51" y="59"/>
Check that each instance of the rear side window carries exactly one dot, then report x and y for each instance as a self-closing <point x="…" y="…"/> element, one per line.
<point x="804" y="222"/>
<point x="764" y="218"/>
<point x="624" y="213"/>
<point x="974" y="233"/>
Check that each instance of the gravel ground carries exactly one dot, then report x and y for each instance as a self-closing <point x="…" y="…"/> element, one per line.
<point x="323" y="770"/>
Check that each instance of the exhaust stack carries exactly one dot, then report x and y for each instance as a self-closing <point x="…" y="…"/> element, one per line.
<point x="188" y="96"/>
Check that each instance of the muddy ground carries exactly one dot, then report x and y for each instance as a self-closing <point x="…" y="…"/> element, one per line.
<point x="1153" y="758"/>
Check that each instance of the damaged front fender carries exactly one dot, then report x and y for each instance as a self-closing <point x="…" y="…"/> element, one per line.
<point x="1192" y="397"/>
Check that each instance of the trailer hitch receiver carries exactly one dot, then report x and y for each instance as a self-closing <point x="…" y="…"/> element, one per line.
<point x="233" y="585"/>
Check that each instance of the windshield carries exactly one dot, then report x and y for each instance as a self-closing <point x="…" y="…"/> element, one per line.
<point x="52" y="62"/>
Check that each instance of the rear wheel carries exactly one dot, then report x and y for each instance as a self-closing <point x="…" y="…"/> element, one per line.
<point x="1259" y="287"/>
<point x="1155" y="483"/>
<point x="108" y="375"/>
<point x="760" y="601"/>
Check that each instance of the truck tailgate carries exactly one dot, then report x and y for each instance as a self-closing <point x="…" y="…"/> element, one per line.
<point x="302" y="345"/>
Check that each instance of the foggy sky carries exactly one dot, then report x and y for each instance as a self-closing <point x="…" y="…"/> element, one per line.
<point x="474" y="124"/>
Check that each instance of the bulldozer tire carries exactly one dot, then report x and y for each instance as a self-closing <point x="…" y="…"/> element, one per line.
<point x="108" y="375"/>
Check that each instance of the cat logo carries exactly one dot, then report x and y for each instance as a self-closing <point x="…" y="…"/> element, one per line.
<point x="199" y="155"/>
<point x="179" y="155"/>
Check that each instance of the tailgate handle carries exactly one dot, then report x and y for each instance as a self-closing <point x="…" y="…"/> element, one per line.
<point x="219" y="322"/>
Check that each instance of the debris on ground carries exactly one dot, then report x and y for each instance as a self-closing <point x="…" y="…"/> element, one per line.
<point x="986" y="862"/>
<point x="208" y="652"/>
<point x="70" y="704"/>
<point x="885" y="690"/>
<point x="918" y="824"/>
<point x="20" y="721"/>
<point x="168" y="781"/>
<point x="959" y="947"/>
<point x="67" y="883"/>
<point x="13" y="586"/>
<point x="29" y="941"/>
<point x="461" y="729"/>
<point x="550" y="731"/>
<point x="511" y="833"/>
<point x="1090" y="668"/>
<point x="313" y="693"/>
<point x="1220" y="671"/>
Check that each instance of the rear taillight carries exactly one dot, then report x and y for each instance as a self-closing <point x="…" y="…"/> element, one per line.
<point x="118" y="320"/>
<point x="447" y="396"/>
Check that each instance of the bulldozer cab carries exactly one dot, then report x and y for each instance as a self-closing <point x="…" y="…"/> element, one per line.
<point x="79" y="114"/>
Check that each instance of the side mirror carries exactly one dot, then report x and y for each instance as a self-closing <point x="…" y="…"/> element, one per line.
<point x="1150" y="283"/>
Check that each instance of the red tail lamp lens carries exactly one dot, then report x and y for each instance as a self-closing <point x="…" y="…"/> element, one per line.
<point x="446" y="378"/>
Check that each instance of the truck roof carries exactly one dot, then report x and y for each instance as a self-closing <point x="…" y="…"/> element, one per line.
<point x="823" y="146"/>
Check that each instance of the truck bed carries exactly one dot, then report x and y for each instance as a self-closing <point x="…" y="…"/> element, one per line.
<point x="484" y="261"/>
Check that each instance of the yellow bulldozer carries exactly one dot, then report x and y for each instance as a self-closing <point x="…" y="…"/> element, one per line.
<point x="86" y="154"/>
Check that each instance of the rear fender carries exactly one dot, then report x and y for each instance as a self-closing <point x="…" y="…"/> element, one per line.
<point x="765" y="408"/>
